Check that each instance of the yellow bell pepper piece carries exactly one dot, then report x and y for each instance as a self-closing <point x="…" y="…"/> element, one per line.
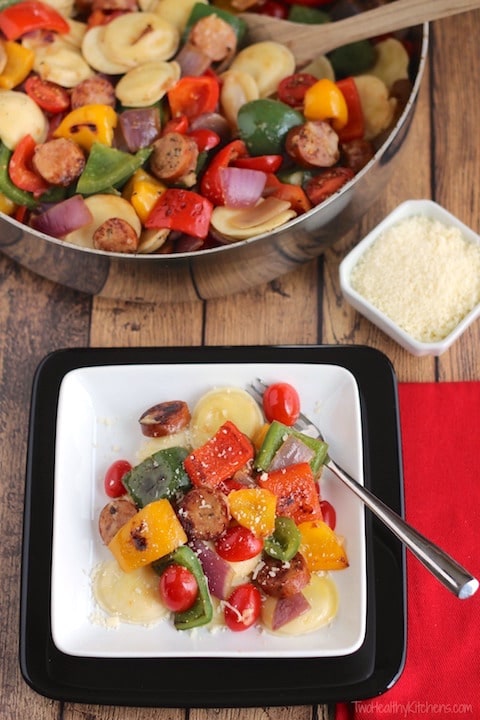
<point x="152" y="533"/>
<point x="143" y="191"/>
<point x="19" y="63"/>
<point x="260" y="435"/>
<point x="89" y="124"/>
<point x="325" y="101"/>
<point x="321" y="547"/>
<point x="6" y="205"/>
<point x="254" y="508"/>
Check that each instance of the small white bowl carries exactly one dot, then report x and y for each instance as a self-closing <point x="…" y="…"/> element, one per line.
<point x="410" y="208"/>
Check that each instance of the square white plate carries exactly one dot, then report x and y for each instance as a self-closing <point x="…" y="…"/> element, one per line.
<point x="97" y="423"/>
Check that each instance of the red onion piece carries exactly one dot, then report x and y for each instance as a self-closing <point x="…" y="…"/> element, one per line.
<point x="288" y="609"/>
<point x="291" y="452"/>
<point x="192" y="60"/>
<point x="241" y="187"/>
<point x="63" y="218"/>
<point x="140" y="127"/>
<point x="213" y="121"/>
<point x="219" y="572"/>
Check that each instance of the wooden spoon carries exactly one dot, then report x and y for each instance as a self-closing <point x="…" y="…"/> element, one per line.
<point x="309" y="41"/>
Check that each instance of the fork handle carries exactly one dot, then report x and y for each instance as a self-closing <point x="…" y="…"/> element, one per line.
<point x="455" y="577"/>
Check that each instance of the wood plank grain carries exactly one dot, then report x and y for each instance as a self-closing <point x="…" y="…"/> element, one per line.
<point x="410" y="179"/>
<point x="281" y="312"/>
<point x="36" y="317"/>
<point x="116" y="324"/>
<point x="457" y="155"/>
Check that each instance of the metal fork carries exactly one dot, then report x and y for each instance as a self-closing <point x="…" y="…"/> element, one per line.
<point x="455" y="577"/>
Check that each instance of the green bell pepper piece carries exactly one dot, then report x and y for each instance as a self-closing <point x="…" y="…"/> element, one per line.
<point x="201" y="10"/>
<point x="11" y="191"/>
<point x="201" y="612"/>
<point x="307" y="15"/>
<point x="108" y="168"/>
<point x="276" y="435"/>
<point x="161" y="475"/>
<point x="285" y="541"/>
<point x="263" y="125"/>
<point x="352" y="59"/>
<point x="8" y="3"/>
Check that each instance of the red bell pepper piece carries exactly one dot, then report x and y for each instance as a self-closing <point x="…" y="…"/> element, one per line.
<point x="355" y="127"/>
<point x="264" y="163"/>
<point x="20" y="170"/>
<point x="29" y="15"/>
<point x="210" y="184"/>
<point x="293" y="194"/>
<point x="193" y="96"/>
<point x="205" y="138"/>
<point x="179" y="124"/>
<point x="220" y="457"/>
<point x="296" y="491"/>
<point x="182" y="210"/>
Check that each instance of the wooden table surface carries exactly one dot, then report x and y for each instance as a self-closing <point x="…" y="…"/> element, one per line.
<point x="440" y="160"/>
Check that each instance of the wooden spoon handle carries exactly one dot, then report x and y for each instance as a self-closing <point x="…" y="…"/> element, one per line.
<point x="308" y="41"/>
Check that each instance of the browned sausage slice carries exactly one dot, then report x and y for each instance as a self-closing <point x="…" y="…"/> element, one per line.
<point x="313" y="144"/>
<point x="357" y="153"/>
<point x="59" y="161"/>
<point x="204" y="513"/>
<point x="282" y="579"/>
<point x="214" y="37"/>
<point x="165" y="418"/>
<point x="116" y="235"/>
<point x="95" y="90"/>
<point x="174" y="157"/>
<point x="113" y="516"/>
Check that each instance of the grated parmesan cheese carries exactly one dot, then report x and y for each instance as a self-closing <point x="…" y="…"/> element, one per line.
<point x="422" y="274"/>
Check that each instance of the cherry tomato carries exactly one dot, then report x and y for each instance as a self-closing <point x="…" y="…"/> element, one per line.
<point x="113" y="484"/>
<point x="273" y="8"/>
<point x="328" y="513"/>
<point x="238" y="543"/>
<point x="281" y="402"/>
<point x="48" y="95"/>
<point x="178" y="588"/>
<point x="243" y="607"/>
<point x="291" y="90"/>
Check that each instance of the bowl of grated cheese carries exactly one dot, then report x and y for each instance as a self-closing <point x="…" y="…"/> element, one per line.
<point x="416" y="276"/>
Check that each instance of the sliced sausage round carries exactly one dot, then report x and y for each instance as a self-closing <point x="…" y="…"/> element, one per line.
<point x="174" y="157"/>
<point x="357" y="153"/>
<point x="282" y="579"/>
<point x="204" y="513"/>
<point x="113" y="516"/>
<point x="165" y="418"/>
<point x="116" y="235"/>
<point x="215" y="37"/>
<point x="95" y="90"/>
<point x="59" y="161"/>
<point x="313" y="144"/>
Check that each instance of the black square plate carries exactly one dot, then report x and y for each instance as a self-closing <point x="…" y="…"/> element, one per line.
<point x="219" y="682"/>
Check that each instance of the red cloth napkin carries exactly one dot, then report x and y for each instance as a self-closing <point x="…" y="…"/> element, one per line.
<point x="440" y="425"/>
